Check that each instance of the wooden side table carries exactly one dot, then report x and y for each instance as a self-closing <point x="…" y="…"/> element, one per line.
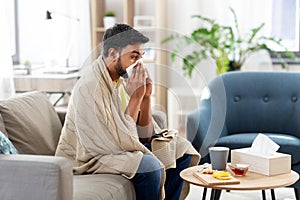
<point x="50" y="83"/>
<point x="252" y="181"/>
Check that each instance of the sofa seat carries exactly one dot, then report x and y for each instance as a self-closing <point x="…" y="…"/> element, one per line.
<point x="102" y="186"/>
<point x="287" y="143"/>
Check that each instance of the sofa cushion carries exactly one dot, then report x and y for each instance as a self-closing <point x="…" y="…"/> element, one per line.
<point x="102" y="187"/>
<point x="31" y="123"/>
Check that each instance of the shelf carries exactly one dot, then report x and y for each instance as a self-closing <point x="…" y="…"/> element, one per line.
<point x="149" y="60"/>
<point x="100" y="29"/>
<point x="158" y="12"/>
<point x="145" y="28"/>
<point x="98" y="8"/>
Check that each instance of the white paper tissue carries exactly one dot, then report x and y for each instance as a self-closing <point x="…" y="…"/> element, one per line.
<point x="130" y="68"/>
<point x="263" y="145"/>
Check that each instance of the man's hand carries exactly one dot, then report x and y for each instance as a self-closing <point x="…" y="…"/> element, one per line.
<point x="148" y="84"/>
<point x="139" y="88"/>
<point x="136" y="83"/>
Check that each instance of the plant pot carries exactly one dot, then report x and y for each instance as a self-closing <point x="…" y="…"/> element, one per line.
<point x="233" y="66"/>
<point x="109" y="21"/>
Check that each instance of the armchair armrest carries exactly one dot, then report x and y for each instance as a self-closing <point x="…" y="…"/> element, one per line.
<point x="35" y="177"/>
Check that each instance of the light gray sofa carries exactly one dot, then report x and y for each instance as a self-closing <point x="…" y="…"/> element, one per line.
<point x="33" y="126"/>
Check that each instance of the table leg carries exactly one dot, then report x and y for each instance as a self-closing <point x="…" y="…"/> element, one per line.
<point x="273" y="194"/>
<point x="263" y="192"/>
<point x="297" y="193"/>
<point x="204" y="193"/>
<point x="212" y="194"/>
<point x="218" y="194"/>
<point x="61" y="96"/>
<point x="215" y="194"/>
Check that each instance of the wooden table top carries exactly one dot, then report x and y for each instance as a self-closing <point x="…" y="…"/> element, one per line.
<point x="252" y="181"/>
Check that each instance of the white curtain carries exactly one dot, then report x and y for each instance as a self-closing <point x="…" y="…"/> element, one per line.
<point x="6" y="67"/>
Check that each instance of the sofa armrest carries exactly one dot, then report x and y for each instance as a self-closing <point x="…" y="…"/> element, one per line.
<point x="197" y="126"/>
<point x="35" y="177"/>
<point x="160" y="118"/>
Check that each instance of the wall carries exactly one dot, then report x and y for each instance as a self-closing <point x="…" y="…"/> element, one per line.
<point x="179" y="21"/>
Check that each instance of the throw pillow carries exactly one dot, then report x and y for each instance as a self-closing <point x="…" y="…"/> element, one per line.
<point x="31" y="123"/>
<point x="6" y="147"/>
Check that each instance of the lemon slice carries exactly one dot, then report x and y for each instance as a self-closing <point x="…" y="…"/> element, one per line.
<point x="222" y="175"/>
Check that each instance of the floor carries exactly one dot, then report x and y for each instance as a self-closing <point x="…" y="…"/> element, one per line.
<point x="280" y="193"/>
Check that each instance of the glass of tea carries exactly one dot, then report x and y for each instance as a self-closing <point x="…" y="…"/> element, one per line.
<point x="239" y="169"/>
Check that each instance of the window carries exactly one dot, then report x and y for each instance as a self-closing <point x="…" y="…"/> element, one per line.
<point x="281" y="18"/>
<point x="285" y="22"/>
<point x="51" y="42"/>
<point x="285" y="25"/>
<point x="11" y="8"/>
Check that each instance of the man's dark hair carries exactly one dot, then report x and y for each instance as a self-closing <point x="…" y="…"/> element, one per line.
<point x="121" y="35"/>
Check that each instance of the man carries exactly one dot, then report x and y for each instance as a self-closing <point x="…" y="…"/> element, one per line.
<point x="109" y="126"/>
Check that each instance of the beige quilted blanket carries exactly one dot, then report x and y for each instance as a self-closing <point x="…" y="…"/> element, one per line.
<point x="99" y="138"/>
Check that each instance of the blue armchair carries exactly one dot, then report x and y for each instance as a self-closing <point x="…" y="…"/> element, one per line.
<point x="243" y="104"/>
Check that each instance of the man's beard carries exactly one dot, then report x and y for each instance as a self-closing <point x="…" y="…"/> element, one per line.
<point x="119" y="69"/>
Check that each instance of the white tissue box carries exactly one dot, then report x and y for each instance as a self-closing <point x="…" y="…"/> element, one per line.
<point x="278" y="163"/>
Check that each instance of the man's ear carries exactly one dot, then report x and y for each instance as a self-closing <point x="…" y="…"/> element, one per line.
<point x="113" y="53"/>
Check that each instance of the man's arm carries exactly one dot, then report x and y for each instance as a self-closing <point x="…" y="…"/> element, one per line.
<point x="139" y="106"/>
<point x="136" y="88"/>
<point x="140" y="110"/>
<point x="133" y="107"/>
<point x="144" y="124"/>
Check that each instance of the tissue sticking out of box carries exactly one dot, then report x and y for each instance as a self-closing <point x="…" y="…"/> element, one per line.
<point x="263" y="145"/>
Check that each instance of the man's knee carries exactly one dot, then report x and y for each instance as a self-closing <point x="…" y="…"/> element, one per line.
<point x="149" y="164"/>
<point x="149" y="172"/>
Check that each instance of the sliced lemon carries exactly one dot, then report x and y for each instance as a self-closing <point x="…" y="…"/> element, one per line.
<point x="222" y="175"/>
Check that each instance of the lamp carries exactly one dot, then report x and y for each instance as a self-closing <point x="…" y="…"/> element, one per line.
<point x="49" y="17"/>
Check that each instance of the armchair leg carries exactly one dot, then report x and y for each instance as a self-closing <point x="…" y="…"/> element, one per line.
<point x="297" y="193"/>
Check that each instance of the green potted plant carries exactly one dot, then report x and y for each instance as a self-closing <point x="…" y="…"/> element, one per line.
<point x="27" y="66"/>
<point x="224" y="44"/>
<point x="109" y="19"/>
